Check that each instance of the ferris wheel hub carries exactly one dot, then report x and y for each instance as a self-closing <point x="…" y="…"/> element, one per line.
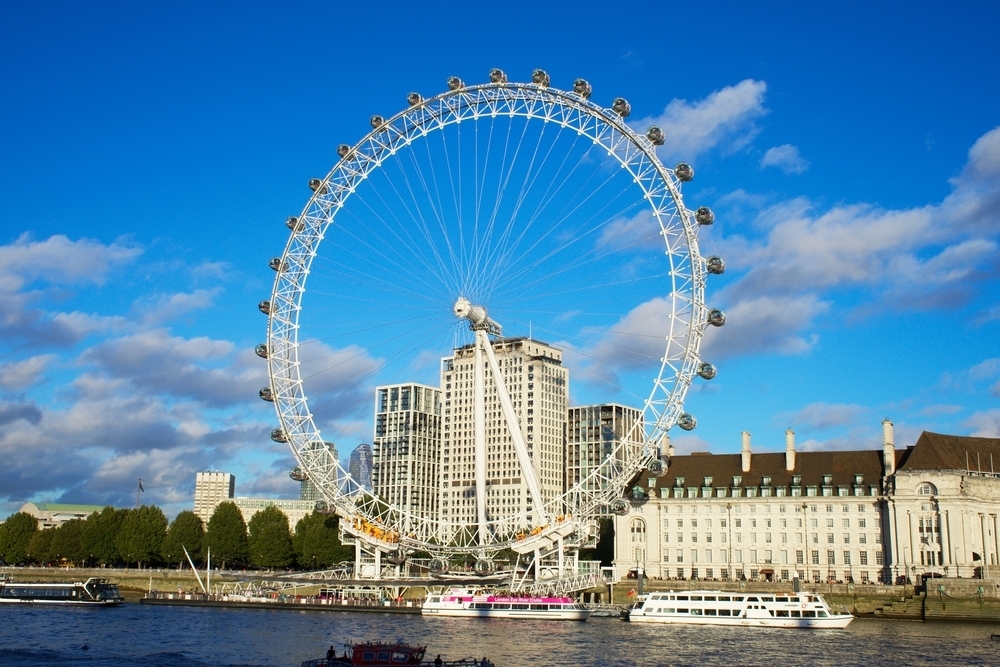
<point x="476" y="315"/>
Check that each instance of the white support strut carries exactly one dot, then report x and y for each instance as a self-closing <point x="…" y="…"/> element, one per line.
<point x="479" y="408"/>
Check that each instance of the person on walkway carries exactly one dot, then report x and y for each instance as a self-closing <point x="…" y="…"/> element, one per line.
<point x="330" y="655"/>
<point x="437" y="661"/>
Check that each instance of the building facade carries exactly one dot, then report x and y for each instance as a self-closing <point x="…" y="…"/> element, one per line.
<point x="295" y="510"/>
<point x="864" y="516"/>
<point x="53" y="515"/>
<point x="538" y="385"/>
<point x="360" y="466"/>
<point x="210" y="489"/>
<point x="593" y="432"/>
<point x="406" y="449"/>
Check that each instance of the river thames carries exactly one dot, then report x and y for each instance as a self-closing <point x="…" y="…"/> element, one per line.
<point x="191" y="637"/>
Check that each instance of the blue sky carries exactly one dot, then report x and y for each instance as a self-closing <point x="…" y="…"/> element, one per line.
<point x="150" y="154"/>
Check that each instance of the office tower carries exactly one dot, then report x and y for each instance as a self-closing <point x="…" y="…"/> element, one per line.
<point x="210" y="489"/>
<point x="538" y="385"/>
<point x="360" y="467"/>
<point x="593" y="432"/>
<point x="406" y="449"/>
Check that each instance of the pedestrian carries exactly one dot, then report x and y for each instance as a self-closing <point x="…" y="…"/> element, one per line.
<point x="330" y="655"/>
<point x="437" y="661"/>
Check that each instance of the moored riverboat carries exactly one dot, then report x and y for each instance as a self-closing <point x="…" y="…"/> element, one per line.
<point x="776" y="610"/>
<point x="94" y="592"/>
<point x="388" y="654"/>
<point x="468" y="603"/>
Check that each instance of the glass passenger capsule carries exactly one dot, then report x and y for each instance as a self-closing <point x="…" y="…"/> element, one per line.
<point x="621" y="107"/>
<point x="687" y="421"/>
<point x="298" y="474"/>
<point x="317" y="186"/>
<point x="704" y="215"/>
<point x="716" y="317"/>
<point x="715" y="265"/>
<point x="293" y="224"/>
<point x="279" y="435"/>
<point x="413" y="99"/>
<point x="540" y="76"/>
<point x="438" y="566"/>
<point x="619" y="506"/>
<point x="655" y="136"/>
<point x="497" y="75"/>
<point x="276" y="264"/>
<point x="322" y="507"/>
<point x="264" y="307"/>
<point x="484" y="567"/>
<point x="395" y="557"/>
<point x="266" y="395"/>
<point x="657" y="468"/>
<point x="706" y="371"/>
<point x="343" y="150"/>
<point x="261" y="351"/>
<point x="376" y="121"/>
<point x="638" y="495"/>
<point x="454" y="83"/>
<point x="683" y="172"/>
<point x="582" y="88"/>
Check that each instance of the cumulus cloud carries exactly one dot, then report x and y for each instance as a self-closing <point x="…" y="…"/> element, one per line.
<point x="167" y="307"/>
<point x="724" y="119"/>
<point x="785" y="157"/>
<point x="820" y="416"/>
<point x="985" y="423"/>
<point x="58" y="260"/>
<point x="15" y="375"/>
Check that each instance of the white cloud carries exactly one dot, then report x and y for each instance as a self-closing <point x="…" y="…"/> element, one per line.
<point x="765" y="324"/>
<point x="724" y="119"/>
<point x="23" y="374"/>
<point x="820" y="416"/>
<point x="985" y="423"/>
<point x="785" y="157"/>
<point x="58" y="260"/>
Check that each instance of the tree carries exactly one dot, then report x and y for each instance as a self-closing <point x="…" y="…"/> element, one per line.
<point x="97" y="538"/>
<point x="226" y="535"/>
<point x="15" y="533"/>
<point x="66" y="542"/>
<point x="317" y="542"/>
<point x="270" y="539"/>
<point x="605" y="549"/>
<point x="141" y="534"/>
<point x="186" y="532"/>
<point x="40" y="547"/>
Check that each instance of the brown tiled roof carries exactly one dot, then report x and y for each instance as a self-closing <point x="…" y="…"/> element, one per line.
<point x="935" y="451"/>
<point x="810" y="465"/>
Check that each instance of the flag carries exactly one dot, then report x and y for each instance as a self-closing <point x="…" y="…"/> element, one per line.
<point x="140" y="485"/>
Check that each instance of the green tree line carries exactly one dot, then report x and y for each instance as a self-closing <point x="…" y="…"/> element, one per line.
<point x="142" y="537"/>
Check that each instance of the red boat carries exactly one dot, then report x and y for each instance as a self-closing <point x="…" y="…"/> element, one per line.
<point x="386" y="654"/>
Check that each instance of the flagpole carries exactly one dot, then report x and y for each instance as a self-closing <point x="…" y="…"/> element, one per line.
<point x="137" y="492"/>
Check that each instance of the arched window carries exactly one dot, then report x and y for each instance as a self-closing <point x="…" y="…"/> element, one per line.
<point x="638" y="530"/>
<point x="926" y="489"/>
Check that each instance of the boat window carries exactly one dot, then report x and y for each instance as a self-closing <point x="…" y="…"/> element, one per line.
<point x="501" y="606"/>
<point x="724" y="612"/>
<point x="723" y="598"/>
<point x="682" y="611"/>
<point x="434" y="599"/>
<point x="795" y="613"/>
<point x="696" y="598"/>
<point x="709" y="598"/>
<point x="709" y="612"/>
<point x="782" y="613"/>
<point x="400" y="657"/>
<point x="809" y="613"/>
<point x="682" y="597"/>
<point x="383" y="655"/>
<point x="767" y="599"/>
<point x="519" y="606"/>
<point x="752" y="599"/>
<point x="368" y="655"/>
<point x="822" y="614"/>
<point x="540" y="607"/>
<point x="781" y="599"/>
<point x="696" y="612"/>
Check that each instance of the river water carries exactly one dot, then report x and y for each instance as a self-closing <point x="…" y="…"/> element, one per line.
<point x="153" y="636"/>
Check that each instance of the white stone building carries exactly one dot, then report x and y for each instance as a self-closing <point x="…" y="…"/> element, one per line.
<point x="406" y="450"/>
<point x="869" y="515"/>
<point x="210" y="489"/>
<point x="538" y="385"/>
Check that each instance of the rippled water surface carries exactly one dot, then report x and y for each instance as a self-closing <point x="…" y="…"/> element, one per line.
<point x="190" y="637"/>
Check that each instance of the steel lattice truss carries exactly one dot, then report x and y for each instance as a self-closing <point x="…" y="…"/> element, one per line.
<point x="658" y="185"/>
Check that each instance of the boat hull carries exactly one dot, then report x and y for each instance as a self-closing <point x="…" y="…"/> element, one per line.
<point x="563" y="615"/>
<point x="832" y="622"/>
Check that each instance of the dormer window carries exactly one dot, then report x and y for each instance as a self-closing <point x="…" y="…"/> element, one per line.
<point x="708" y="481"/>
<point x="737" y="480"/>
<point x="827" y="480"/>
<point x="859" y="479"/>
<point x="679" y="481"/>
<point x="766" y="481"/>
<point x="796" y="480"/>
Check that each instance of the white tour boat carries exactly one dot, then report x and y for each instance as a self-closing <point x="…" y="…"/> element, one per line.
<point x="95" y="592"/>
<point x="776" y="610"/>
<point x="468" y="603"/>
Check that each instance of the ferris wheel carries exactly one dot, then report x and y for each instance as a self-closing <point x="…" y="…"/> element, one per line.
<point x="495" y="223"/>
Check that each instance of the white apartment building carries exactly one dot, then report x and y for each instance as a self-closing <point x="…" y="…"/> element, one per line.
<point x="538" y="385"/>
<point x="295" y="510"/>
<point x="865" y="516"/>
<point x="593" y="432"/>
<point x="210" y="489"/>
<point x="406" y="450"/>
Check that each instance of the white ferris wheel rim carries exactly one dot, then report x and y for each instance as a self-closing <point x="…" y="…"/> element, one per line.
<point x="571" y="111"/>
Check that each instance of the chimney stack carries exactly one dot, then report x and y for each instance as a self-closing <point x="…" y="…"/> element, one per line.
<point x="888" y="448"/>
<point x="746" y="451"/>
<point x="789" y="449"/>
